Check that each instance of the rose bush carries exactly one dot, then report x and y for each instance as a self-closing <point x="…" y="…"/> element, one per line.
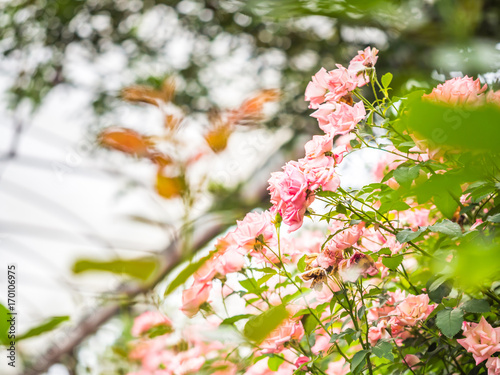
<point x="400" y="276"/>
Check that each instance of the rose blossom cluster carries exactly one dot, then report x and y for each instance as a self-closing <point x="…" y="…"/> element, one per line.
<point x="482" y="340"/>
<point x="292" y="190"/>
<point x="330" y="93"/>
<point x="160" y="355"/>
<point x="399" y="313"/>
<point x="251" y="233"/>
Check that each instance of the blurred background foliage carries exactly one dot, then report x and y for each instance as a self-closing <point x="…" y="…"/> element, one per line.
<point x="421" y="40"/>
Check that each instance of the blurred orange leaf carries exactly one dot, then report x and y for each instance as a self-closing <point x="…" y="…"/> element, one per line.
<point x="125" y="140"/>
<point x="169" y="187"/>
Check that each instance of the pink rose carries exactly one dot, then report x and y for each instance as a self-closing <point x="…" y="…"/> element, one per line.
<point x="346" y="238"/>
<point x="412" y="310"/>
<point x="232" y="260"/>
<point x="301" y="361"/>
<point x="363" y="60"/>
<point x="288" y="330"/>
<point x="320" y="172"/>
<point x="493" y="366"/>
<point x="411" y="360"/>
<point x="316" y="89"/>
<point x="345" y="118"/>
<point x="148" y="320"/>
<point x="340" y="83"/>
<point x="252" y="226"/>
<point x="482" y="340"/>
<point x="338" y="367"/>
<point x="317" y="146"/>
<point x="290" y="194"/>
<point x="194" y="297"/>
<point x="379" y="332"/>
<point x="458" y="91"/>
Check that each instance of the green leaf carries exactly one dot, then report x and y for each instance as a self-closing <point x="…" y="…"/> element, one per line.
<point x="405" y="175"/>
<point x="450" y="321"/>
<point x="310" y="323"/>
<point x="392" y="262"/>
<point x="186" y="273"/>
<point x="409" y="235"/>
<point x="383" y="349"/>
<point x="301" y="264"/>
<point x="358" y="361"/>
<point x="4" y="324"/>
<point x="494" y="218"/>
<point x="447" y="227"/>
<point x="141" y="269"/>
<point x="236" y="318"/>
<point x="275" y="362"/>
<point x="476" y="306"/>
<point x="47" y="326"/>
<point x="259" y="327"/>
<point x="158" y="330"/>
<point x="438" y="288"/>
<point x="386" y="80"/>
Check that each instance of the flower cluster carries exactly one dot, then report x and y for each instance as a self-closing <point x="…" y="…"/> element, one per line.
<point x="360" y="290"/>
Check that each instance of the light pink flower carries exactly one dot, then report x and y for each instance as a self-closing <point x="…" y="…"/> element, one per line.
<point x="482" y="340"/>
<point x="345" y="238"/>
<point x="379" y="332"/>
<point x="340" y="83"/>
<point x="288" y="330"/>
<point x="148" y="320"/>
<point x="194" y="297"/>
<point x="232" y="260"/>
<point x="363" y="60"/>
<point x="252" y="226"/>
<point x="301" y="360"/>
<point x="338" y="367"/>
<point x="320" y="172"/>
<point x="339" y="118"/>
<point x="412" y="310"/>
<point x="493" y="366"/>
<point x="317" y="146"/>
<point x="290" y="195"/>
<point x="411" y="360"/>
<point x="458" y="91"/>
<point x="316" y="89"/>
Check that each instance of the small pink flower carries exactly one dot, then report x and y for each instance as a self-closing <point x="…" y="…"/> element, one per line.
<point x="338" y="367"/>
<point x="290" y="194"/>
<point x="339" y="118"/>
<point x="252" y="226"/>
<point x="316" y="89"/>
<point x="317" y="146"/>
<point x="340" y="83"/>
<point x="379" y="332"/>
<point x="194" y="297"/>
<point x="301" y="361"/>
<point x="482" y="340"/>
<point x="411" y="360"/>
<point x="148" y="320"/>
<point x="288" y="330"/>
<point x="363" y="60"/>
<point x="346" y="238"/>
<point x="320" y="172"/>
<point x="493" y="366"/>
<point x="412" y="310"/>
<point x="458" y="91"/>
